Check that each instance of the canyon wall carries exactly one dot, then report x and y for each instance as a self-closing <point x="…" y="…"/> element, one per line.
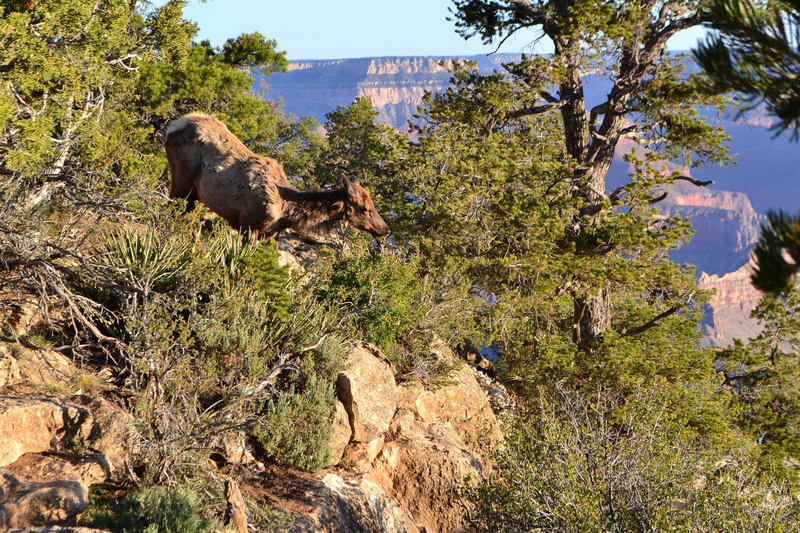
<point x="726" y="228"/>
<point x="395" y="85"/>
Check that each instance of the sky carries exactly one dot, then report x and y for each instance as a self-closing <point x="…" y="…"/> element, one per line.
<point x="331" y="29"/>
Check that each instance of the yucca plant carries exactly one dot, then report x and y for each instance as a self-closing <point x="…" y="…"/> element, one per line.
<point x="149" y="263"/>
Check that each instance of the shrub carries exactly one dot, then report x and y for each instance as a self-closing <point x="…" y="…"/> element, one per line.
<point x="606" y="462"/>
<point x="384" y="293"/>
<point x="150" y="510"/>
<point x="296" y="425"/>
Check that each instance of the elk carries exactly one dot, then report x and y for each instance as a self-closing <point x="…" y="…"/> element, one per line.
<point x="250" y="191"/>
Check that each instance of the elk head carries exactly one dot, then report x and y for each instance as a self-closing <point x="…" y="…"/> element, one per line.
<point x="359" y="209"/>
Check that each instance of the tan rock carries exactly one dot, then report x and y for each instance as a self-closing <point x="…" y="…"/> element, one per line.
<point x="424" y="473"/>
<point x="462" y="403"/>
<point x="47" y="489"/>
<point x="340" y="434"/>
<point x="232" y="447"/>
<point x="88" y="468"/>
<point x="111" y="432"/>
<point x="374" y="447"/>
<point x="22" y="312"/>
<point x="38" y="423"/>
<point x="368" y="391"/>
<point x="30" y="505"/>
<point x="19" y="364"/>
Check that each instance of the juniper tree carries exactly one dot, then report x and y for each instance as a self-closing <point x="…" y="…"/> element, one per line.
<point x="650" y="102"/>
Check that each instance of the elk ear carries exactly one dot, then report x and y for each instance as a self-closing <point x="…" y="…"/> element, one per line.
<point x="352" y="186"/>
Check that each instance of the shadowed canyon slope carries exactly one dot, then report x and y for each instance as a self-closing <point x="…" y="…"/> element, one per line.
<point x="726" y="215"/>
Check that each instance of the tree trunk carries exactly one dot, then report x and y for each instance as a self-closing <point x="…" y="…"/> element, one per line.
<point x="592" y="318"/>
<point x="592" y="314"/>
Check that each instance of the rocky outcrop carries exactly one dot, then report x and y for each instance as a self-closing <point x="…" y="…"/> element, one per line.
<point x="35" y="423"/>
<point x="42" y="481"/>
<point x="411" y="449"/>
<point x="368" y="392"/>
<point x="727" y="227"/>
<point x="728" y="314"/>
<point x="330" y="502"/>
<point x="19" y="364"/>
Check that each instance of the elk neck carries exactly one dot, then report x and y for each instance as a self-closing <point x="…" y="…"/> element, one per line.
<point x="313" y="211"/>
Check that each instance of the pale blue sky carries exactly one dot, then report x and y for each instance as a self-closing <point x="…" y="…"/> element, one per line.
<point x="328" y="29"/>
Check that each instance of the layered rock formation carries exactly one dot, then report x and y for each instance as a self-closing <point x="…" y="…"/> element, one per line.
<point x="728" y="314"/>
<point x="726" y="228"/>
<point x="395" y="85"/>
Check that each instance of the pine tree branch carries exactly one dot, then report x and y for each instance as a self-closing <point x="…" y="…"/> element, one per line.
<point x="694" y="181"/>
<point x="656" y="320"/>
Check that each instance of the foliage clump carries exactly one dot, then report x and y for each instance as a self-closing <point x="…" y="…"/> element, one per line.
<point x="150" y="510"/>
<point x="296" y="426"/>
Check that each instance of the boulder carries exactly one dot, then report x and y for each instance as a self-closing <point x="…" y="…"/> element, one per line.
<point x="368" y="391"/>
<point x="329" y="502"/>
<point x="33" y="423"/>
<point x="27" y="505"/>
<point x="424" y="470"/>
<point x="463" y="403"/>
<point x="19" y="364"/>
<point x="340" y="434"/>
<point x="46" y="489"/>
<point x="354" y="504"/>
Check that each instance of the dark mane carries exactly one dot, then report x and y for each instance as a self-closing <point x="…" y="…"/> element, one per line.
<point x="313" y="212"/>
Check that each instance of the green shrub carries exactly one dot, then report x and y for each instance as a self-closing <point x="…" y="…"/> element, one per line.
<point x="607" y="462"/>
<point x="295" y="426"/>
<point x="150" y="510"/>
<point x="384" y="293"/>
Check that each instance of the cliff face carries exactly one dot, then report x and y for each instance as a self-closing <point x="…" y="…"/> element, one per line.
<point x="728" y="313"/>
<point x="726" y="228"/>
<point x="725" y="223"/>
<point x="395" y="85"/>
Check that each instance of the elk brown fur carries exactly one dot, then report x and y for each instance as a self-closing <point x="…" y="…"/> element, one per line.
<point x="251" y="192"/>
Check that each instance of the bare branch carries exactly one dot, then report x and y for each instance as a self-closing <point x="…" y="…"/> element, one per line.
<point x="694" y="181"/>
<point x="656" y="320"/>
